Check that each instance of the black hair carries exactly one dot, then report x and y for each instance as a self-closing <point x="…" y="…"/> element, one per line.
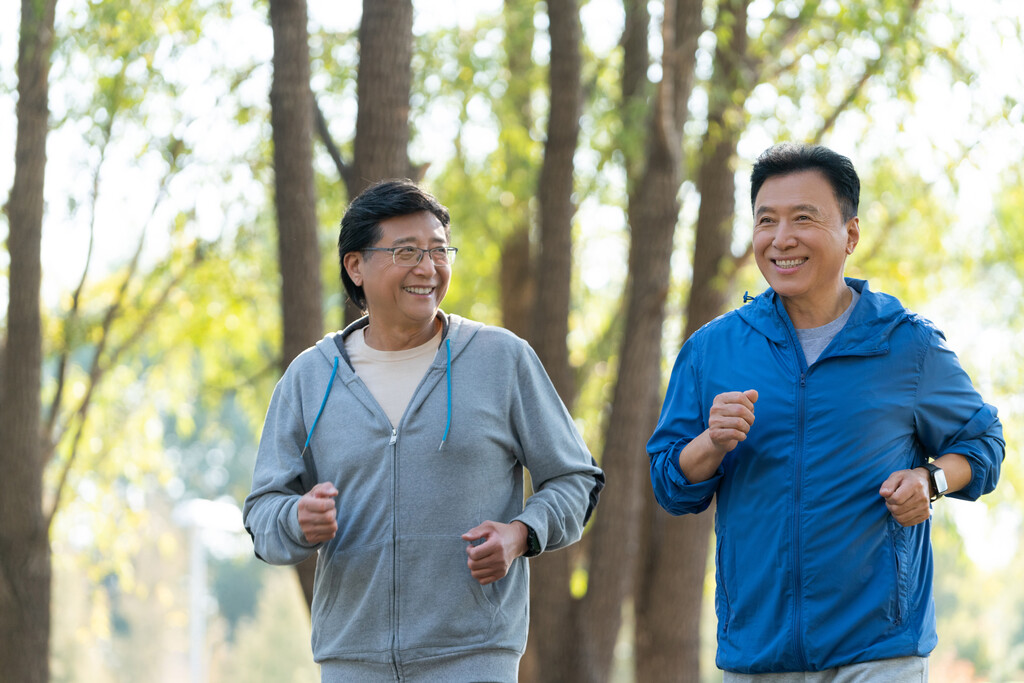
<point x="360" y="226"/>
<point x="790" y="157"/>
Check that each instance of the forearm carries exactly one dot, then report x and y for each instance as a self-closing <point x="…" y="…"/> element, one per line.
<point x="957" y="469"/>
<point x="273" y="524"/>
<point x="699" y="460"/>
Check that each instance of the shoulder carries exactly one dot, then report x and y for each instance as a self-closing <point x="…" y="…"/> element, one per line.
<point x="904" y="329"/>
<point x="722" y="327"/>
<point x="479" y="337"/>
<point x="312" y="365"/>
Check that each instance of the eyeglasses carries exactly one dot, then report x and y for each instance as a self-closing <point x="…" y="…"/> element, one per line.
<point x="407" y="257"/>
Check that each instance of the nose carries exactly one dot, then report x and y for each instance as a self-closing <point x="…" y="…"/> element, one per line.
<point x="785" y="235"/>
<point x="425" y="266"/>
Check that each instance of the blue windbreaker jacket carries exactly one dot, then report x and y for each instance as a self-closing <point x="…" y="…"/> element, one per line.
<point x="812" y="570"/>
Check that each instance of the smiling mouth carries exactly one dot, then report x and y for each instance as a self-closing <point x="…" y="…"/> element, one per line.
<point x="789" y="262"/>
<point x="419" y="290"/>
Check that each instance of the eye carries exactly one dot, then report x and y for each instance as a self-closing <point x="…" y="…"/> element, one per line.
<point x="440" y="255"/>
<point x="406" y="255"/>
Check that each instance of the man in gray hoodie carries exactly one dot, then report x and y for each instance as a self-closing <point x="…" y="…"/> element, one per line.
<point x="395" y="450"/>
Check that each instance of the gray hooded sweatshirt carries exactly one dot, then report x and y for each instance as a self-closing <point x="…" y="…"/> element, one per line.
<point x="393" y="597"/>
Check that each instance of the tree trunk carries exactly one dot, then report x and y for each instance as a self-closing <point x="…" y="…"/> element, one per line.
<point x="653" y="214"/>
<point x="670" y="606"/>
<point x="291" y="118"/>
<point x="517" y="291"/>
<point x="381" y="146"/>
<point x="517" y="275"/>
<point x="552" y="609"/>
<point x="383" y="85"/>
<point x="554" y="260"/>
<point x="25" y="566"/>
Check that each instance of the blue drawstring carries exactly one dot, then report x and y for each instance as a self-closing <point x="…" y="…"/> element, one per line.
<point x="747" y="297"/>
<point x="330" y="383"/>
<point x="448" y="375"/>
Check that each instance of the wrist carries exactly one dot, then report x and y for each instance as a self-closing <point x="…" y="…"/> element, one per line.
<point x="527" y="543"/>
<point x="936" y="477"/>
<point x="699" y="459"/>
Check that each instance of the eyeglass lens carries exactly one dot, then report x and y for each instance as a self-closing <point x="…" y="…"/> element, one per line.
<point x="410" y="256"/>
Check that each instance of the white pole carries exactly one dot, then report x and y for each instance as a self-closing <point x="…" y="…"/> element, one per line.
<point x="197" y="605"/>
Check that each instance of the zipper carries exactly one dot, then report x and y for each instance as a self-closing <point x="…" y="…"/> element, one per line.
<point x="797" y="479"/>
<point x="803" y="369"/>
<point x="898" y="611"/>
<point x="394" y="552"/>
<point x="725" y="591"/>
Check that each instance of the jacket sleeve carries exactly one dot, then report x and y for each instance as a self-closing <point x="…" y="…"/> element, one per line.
<point x="566" y="480"/>
<point x="270" y="512"/>
<point x="683" y="418"/>
<point x="951" y="417"/>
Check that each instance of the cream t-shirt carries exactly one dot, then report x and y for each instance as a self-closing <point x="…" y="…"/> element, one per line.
<point x="391" y="376"/>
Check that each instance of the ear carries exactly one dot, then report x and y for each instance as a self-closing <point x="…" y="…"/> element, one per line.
<point x="852" y="234"/>
<point x="354" y="267"/>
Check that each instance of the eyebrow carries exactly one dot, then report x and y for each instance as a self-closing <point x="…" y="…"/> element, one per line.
<point x="412" y="240"/>
<point x="799" y="208"/>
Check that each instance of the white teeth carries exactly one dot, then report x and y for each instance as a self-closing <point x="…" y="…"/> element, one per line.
<point x="419" y="290"/>
<point x="789" y="263"/>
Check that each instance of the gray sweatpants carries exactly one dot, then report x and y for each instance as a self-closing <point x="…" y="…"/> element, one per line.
<point x="899" y="670"/>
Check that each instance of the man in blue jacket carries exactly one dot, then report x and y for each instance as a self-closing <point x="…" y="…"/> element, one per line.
<point x="864" y="418"/>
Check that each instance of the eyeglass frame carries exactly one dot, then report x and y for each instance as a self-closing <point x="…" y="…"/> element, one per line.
<point x="450" y="252"/>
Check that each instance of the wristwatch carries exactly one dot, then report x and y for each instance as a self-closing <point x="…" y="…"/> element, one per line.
<point x="938" y="480"/>
<point x="532" y="542"/>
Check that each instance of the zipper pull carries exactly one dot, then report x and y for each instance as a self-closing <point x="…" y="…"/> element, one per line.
<point x="394" y="437"/>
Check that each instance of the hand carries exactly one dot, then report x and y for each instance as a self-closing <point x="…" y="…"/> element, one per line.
<point x="731" y="417"/>
<point x="907" y="494"/>
<point x="491" y="560"/>
<point x="317" y="516"/>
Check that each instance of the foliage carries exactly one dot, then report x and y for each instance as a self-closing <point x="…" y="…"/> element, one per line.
<point x="162" y="135"/>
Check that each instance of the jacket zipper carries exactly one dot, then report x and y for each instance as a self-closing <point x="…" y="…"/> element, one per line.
<point x="798" y="482"/>
<point x="394" y="553"/>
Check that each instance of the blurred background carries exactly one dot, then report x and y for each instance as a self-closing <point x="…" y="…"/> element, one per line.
<point x="595" y="157"/>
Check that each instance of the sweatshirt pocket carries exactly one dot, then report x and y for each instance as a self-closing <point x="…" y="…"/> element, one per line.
<point x="352" y="602"/>
<point x="440" y="604"/>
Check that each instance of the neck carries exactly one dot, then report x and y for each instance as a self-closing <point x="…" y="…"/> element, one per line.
<point x="391" y="338"/>
<point x="823" y="309"/>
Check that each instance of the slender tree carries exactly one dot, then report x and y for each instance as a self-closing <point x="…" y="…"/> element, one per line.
<point x="517" y="274"/>
<point x="551" y="610"/>
<point x="653" y="216"/>
<point x="383" y="85"/>
<point x="291" y="117"/>
<point x="25" y="565"/>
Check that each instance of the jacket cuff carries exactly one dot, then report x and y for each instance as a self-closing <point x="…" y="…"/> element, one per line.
<point x="703" y="490"/>
<point x="536" y="526"/>
<point x="292" y="527"/>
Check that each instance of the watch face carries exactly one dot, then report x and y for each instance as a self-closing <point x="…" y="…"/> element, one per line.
<point x="940" y="481"/>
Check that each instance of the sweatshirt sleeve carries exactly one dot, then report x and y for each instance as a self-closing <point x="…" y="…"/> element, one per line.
<point x="566" y="480"/>
<point x="270" y="512"/>
<point x="951" y="417"/>
<point x="682" y="420"/>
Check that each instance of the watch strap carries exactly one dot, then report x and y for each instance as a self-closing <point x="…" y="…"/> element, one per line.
<point x="935" y="492"/>
<point x="532" y="542"/>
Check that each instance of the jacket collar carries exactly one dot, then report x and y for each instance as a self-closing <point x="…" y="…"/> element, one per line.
<point x="456" y="328"/>
<point x="866" y="332"/>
